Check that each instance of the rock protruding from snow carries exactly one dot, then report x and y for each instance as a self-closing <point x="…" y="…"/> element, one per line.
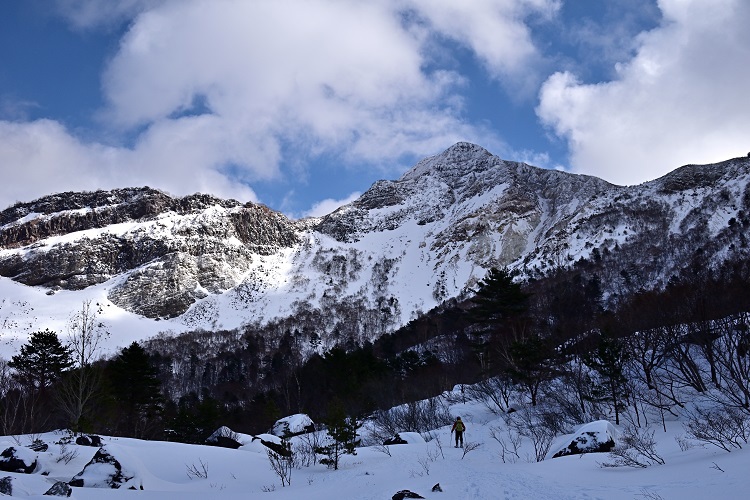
<point x="594" y="437"/>
<point x="59" y="489"/>
<point x="105" y="471"/>
<point x="18" y="460"/>
<point x="406" y="494"/>
<point x="397" y="439"/>
<point x="224" y="437"/>
<point x="293" y="425"/>
<point x="6" y="486"/>
<point x="94" y="441"/>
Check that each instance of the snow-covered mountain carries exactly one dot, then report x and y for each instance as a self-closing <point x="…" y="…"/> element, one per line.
<point x="156" y="263"/>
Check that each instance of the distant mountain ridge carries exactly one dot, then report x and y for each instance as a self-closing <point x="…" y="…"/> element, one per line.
<point x="402" y="248"/>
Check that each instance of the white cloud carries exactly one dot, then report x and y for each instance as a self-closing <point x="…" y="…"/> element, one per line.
<point x="216" y="94"/>
<point x="89" y="14"/>
<point x="495" y="30"/>
<point x="681" y="99"/>
<point x="340" y="77"/>
<point x="42" y="157"/>
<point x="329" y="205"/>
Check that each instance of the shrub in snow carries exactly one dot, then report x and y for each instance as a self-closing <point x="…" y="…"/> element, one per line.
<point x="535" y="423"/>
<point x="726" y="428"/>
<point x="18" y="460"/>
<point x="38" y="445"/>
<point x="282" y="463"/>
<point x="637" y="449"/>
<point x="594" y="437"/>
<point x="417" y="416"/>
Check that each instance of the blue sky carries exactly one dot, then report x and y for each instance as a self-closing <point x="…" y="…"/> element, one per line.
<point x="302" y="105"/>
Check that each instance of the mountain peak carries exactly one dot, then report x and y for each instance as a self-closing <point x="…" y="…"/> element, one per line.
<point x="459" y="159"/>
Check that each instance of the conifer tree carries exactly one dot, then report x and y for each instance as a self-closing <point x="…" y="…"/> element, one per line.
<point x="342" y="431"/>
<point x="498" y="298"/>
<point x="41" y="361"/>
<point x="500" y="305"/>
<point x="609" y="360"/>
<point x="137" y="389"/>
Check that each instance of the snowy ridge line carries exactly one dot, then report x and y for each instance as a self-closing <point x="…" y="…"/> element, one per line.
<point x="403" y="248"/>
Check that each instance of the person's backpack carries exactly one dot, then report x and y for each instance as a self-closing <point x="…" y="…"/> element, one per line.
<point x="460" y="426"/>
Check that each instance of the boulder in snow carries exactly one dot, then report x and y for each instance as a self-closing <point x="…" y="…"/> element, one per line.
<point x="405" y="494"/>
<point x="59" y="489"/>
<point x="18" y="460"/>
<point x="84" y="440"/>
<point x="293" y="425"/>
<point x="594" y="437"/>
<point x="6" y="486"/>
<point x="397" y="439"/>
<point x="411" y="437"/>
<point x="225" y="438"/>
<point x="105" y="471"/>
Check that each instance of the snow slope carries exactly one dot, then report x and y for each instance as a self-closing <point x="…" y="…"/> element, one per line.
<point x="401" y="249"/>
<point x="161" y="467"/>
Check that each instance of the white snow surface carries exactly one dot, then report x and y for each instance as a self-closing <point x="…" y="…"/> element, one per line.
<point x="161" y="468"/>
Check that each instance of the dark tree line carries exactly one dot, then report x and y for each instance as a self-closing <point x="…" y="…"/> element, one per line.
<point x="551" y="339"/>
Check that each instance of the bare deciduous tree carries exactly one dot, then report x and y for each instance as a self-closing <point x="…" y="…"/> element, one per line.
<point x="79" y="387"/>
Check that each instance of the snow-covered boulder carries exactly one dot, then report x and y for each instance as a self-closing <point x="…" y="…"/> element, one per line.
<point x="105" y="471"/>
<point x="411" y="437"/>
<point x="259" y="443"/>
<point x="397" y="439"/>
<point x="293" y="425"/>
<point x="18" y="460"/>
<point x="594" y="437"/>
<point x="225" y="438"/>
<point x="84" y="440"/>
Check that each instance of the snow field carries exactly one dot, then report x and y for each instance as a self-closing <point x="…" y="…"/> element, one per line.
<point x="163" y="469"/>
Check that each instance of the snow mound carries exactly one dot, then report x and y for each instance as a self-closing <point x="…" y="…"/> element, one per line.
<point x="293" y="425"/>
<point x="594" y="437"/>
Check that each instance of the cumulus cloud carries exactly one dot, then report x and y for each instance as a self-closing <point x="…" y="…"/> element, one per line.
<point x="213" y="95"/>
<point x="43" y="157"/>
<point x="337" y="77"/>
<point x="89" y="14"/>
<point x="329" y="205"/>
<point x="676" y="101"/>
<point x="495" y="30"/>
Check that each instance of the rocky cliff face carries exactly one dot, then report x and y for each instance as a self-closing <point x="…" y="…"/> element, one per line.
<point x="403" y="247"/>
<point x="166" y="252"/>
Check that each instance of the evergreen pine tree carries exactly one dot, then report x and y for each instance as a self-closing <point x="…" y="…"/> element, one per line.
<point x="342" y="431"/>
<point x="41" y="361"/>
<point x="136" y="389"/>
<point x="609" y="362"/>
<point x="500" y="305"/>
<point x="498" y="298"/>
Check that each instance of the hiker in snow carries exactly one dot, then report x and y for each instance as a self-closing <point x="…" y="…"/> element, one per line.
<point x="458" y="428"/>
